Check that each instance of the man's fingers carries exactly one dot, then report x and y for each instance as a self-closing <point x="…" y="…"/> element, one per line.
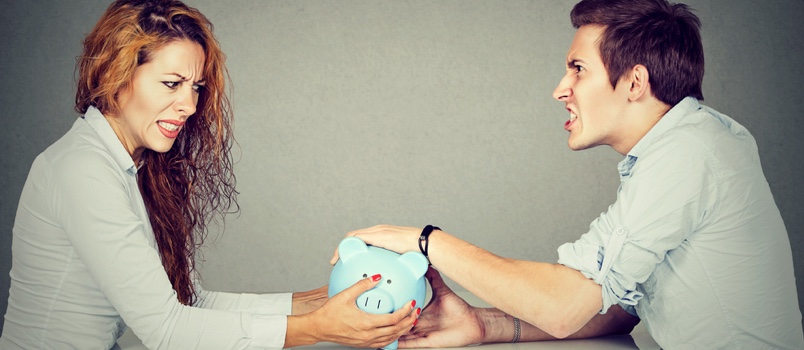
<point x="414" y="341"/>
<point x="435" y="279"/>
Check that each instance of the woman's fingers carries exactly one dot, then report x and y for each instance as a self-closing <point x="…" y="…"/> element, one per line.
<point x="361" y="329"/>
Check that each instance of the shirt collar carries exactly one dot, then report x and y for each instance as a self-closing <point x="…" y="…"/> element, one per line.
<point x="668" y="121"/>
<point x="98" y="122"/>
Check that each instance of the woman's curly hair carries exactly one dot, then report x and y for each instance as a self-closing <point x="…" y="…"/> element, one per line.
<point x="189" y="186"/>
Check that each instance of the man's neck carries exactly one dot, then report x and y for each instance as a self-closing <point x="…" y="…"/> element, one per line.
<point x="641" y="117"/>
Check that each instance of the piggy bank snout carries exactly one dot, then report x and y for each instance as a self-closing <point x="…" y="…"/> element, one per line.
<point x="376" y="301"/>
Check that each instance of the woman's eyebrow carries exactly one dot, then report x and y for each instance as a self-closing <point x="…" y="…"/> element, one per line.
<point x="183" y="78"/>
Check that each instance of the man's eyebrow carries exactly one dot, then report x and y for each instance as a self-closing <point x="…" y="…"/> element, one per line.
<point x="574" y="60"/>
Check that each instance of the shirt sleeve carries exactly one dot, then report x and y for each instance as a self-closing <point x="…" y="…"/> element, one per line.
<point x="92" y="201"/>
<point x="267" y="304"/>
<point x="670" y="193"/>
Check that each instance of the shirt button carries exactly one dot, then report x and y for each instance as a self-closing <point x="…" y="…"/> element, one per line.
<point x="620" y="231"/>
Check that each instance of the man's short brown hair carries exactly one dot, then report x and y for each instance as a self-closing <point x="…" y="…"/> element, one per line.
<point x="662" y="36"/>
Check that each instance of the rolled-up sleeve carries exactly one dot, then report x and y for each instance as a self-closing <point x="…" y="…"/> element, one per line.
<point x="659" y="204"/>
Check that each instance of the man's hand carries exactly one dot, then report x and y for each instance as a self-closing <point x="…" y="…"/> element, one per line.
<point x="394" y="238"/>
<point x="447" y="321"/>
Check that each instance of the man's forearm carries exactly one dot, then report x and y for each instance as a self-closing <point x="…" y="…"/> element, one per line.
<point x="533" y="291"/>
<point x="499" y="326"/>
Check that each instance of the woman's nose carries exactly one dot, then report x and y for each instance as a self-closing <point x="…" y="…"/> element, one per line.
<point x="186" y="102"/>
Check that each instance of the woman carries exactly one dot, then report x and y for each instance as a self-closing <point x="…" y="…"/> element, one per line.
<point x="113" y="212"/>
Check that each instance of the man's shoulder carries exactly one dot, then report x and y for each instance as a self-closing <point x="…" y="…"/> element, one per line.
<point x="704" y="142"/>
<point x="705" y="130"/>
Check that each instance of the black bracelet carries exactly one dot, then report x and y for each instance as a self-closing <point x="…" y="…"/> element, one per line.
<point x="425" y="237"/>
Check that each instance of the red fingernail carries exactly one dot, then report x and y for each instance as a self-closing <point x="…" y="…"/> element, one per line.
<point x="376" y="277"/>
<point x="418" y="312"/>
<point x="413" y="303"/>
<point x="415" y="322"/>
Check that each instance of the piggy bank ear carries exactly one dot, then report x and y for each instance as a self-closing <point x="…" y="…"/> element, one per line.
<point x="350" y="246"/>
<point x="416" y="262"/>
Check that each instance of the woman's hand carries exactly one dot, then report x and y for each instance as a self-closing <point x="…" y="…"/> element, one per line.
<point x="340" y="321"/>
<point x="395" y="238"/>
<point x="448" y="321"/>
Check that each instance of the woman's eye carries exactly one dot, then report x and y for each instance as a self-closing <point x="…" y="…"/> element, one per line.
<point x="171" y="84"/>
<point x="198" y="87"/>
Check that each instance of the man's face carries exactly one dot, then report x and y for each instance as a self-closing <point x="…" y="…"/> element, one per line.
<point x="595" y="108"/>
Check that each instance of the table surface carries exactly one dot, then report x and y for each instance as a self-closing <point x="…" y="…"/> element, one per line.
<point x="638" y="339"/>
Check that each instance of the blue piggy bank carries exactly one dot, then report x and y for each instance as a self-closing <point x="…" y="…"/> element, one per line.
<point x="402" y="276"/>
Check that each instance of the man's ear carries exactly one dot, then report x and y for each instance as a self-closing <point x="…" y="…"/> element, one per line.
<point x="640" y="83"/>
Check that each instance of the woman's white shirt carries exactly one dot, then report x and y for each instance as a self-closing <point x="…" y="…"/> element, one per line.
<point x="85" y="263"/>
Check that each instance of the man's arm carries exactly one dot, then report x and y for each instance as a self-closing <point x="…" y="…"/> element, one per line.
<point x="449" y="321"/>
<point x="499" y="327"/>
<point x="555" y="298"/>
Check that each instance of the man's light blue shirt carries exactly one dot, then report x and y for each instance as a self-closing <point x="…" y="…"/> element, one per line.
<point x="695" y="241"/>
<point x="85" y="265"/>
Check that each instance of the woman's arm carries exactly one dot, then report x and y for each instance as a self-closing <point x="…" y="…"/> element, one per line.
<point x="309" y="301"/>
<point x="99" y="209"/>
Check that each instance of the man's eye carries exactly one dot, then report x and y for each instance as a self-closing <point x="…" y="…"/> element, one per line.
<point x="578" y="68"/>
<point x="171" y="84"/>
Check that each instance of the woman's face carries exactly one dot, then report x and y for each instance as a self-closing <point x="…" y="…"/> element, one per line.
<point x="163" y="94"/>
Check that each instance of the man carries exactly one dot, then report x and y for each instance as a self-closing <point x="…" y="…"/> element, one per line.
<point x="694" y="245"/>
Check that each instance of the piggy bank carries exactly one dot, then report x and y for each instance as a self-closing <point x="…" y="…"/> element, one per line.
<point x="402" y="276"/>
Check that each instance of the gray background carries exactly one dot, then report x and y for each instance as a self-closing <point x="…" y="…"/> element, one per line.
<point x="355" y="113"/>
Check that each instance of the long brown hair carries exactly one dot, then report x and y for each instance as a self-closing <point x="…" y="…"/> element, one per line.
<point x="189" y="186"/>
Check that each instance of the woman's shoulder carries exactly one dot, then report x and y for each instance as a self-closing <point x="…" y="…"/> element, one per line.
<point x="79" y="150"/>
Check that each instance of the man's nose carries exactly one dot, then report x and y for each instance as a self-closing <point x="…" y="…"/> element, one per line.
<point x="563" y="90"/>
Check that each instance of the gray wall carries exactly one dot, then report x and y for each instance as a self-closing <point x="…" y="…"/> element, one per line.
<point x="355" y="113"/>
